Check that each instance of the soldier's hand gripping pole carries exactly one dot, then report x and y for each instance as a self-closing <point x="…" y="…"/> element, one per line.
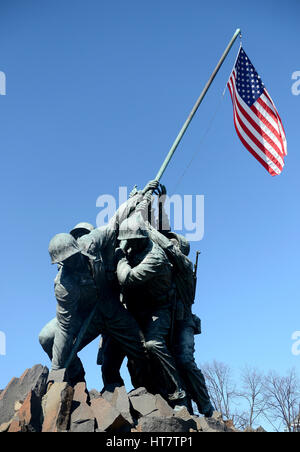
<point x="196" y="106"/>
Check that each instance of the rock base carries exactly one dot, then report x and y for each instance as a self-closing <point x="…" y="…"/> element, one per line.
<point x="36" y="403"/>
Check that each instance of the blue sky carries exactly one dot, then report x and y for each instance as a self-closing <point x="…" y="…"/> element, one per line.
<point x="96" y="93"/>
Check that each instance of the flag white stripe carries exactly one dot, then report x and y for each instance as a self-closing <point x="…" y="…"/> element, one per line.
<point x="253" y="145"/>
<point x="283" y="138"/>
<point x="270" y="105"/>
<point x="244" y="120"/>
<point x="260" y="124"/>
<point x="264" y="143"/>
<point x="267" y="131"/>
<point x="282" y="132"/>
<point x="266" y="115"/>
<point x="257" y="124"/>
<point x="256" y="149"/>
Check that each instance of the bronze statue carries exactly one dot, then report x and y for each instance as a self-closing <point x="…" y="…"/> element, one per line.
<point x="86" y="282"/>
<point x="134" y="284"/>
<point x="145" y="276"/>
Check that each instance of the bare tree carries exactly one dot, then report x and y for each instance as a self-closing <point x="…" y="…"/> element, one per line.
<point x="221" y="387"/>
<point x="253" y="393"/>
<point x="282" y="401"/>
<point x="273" y="397"/>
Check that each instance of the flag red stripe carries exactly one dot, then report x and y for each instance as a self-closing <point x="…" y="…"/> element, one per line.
<point x="267" y="108"/>
<point x="263" y="134"/>
<point x="283" y="138"/>
<point x="253" y="137"/>
<point x="246" y="144"/>
<point x="263" y="119"/>
<point x="256" y="120"/>
<point x="271" y="127"/>
<point x="257" y="142"/>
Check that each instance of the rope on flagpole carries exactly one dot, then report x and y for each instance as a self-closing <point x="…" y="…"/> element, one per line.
<point x="195" y="108"/>
<point x="213" y="117"/>
<point x="210" y="122"/>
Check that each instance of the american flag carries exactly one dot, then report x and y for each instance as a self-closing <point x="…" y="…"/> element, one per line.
<point x="256" y="119"/>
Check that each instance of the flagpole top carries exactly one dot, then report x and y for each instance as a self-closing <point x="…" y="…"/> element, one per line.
<point x="238" y="32"/>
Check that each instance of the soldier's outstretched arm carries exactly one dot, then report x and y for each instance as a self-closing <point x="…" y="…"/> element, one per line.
<point x="128" y="207"/>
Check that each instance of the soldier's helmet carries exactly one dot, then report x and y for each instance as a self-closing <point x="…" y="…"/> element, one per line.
<point x="183" y="243"/>
<point x="62" y="246"/>
<point x="81" y="229"/>
<point x="133" y="227"/>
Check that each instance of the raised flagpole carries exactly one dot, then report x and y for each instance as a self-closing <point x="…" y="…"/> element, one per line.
<point x="196" y="106"/>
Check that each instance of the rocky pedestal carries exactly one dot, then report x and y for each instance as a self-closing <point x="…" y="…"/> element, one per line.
<point x="20" y="401"/>
<point x="37" y="403"/>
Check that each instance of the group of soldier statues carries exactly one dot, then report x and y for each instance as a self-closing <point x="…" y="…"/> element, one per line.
<point x="132" y="283"/>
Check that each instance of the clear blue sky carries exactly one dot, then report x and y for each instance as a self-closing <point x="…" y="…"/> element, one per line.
<point x="96" y="93"/>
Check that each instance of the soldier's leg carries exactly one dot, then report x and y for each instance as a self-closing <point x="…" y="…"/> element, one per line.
<point x="112" y="359"/>
<point x="110" y="354"/>
<point x="46" y="336"/>
<point x="192" y="376"/>
<point x="50" y="334"/>
<point x="156" y="334"/>
<point x="69" y="321"/>
<point x="68" y="327"/>
<point x="125" y="332"/>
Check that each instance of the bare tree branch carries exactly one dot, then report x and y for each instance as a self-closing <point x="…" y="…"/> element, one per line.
<point x="253" y="393"/>
<point x="221" y="387"/>
<point x="282" y="400"/>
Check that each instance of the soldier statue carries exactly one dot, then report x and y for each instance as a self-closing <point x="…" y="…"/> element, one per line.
<point x="186" y="324"/>
<point x="85" y="283"/>
<point x="138" y="282"/>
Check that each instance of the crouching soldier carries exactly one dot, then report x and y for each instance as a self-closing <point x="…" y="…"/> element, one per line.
<point x="85" y="283"/>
